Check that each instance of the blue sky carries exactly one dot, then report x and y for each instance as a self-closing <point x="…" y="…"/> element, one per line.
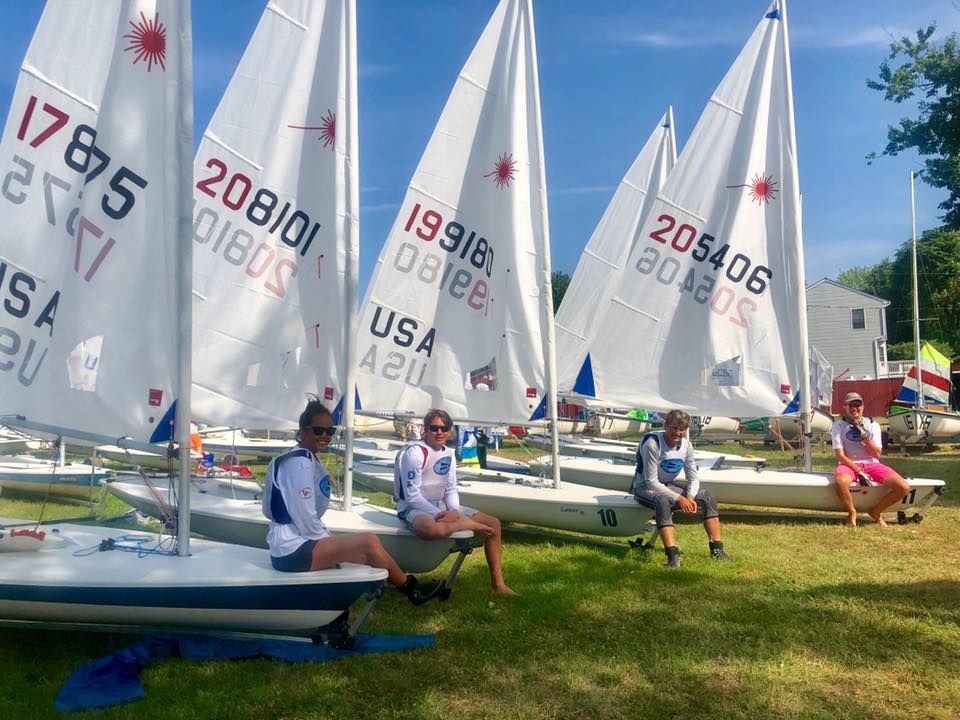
<point x="608" y="68"/>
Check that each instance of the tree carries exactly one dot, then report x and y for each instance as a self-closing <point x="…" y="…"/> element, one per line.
<point x="938" y="260"/>
<point x="874" y="279"/>
<point x="932" y="74"/>
<point x="560" y="281"/>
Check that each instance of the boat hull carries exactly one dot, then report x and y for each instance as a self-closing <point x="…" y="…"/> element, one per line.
<point x="715" y="426"/>
<point x="512" y="498"/>
<point x="218" y="586"/>
<point x="242" y="522"/>
<point x="788" y="426"/>
<point x="745" y="486"/>
<point x="43" y="477"/>
<point x="612" y="425"/>
<point x="923" y="426"/>
<point x="805" y="491"/>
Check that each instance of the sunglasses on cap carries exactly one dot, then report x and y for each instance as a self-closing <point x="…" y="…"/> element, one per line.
<point x="328" y="431"/>
<point x="438" y="428"/>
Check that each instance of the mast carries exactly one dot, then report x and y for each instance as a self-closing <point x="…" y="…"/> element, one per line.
<point x="916" y="298"/>
<point x="184" y="280"/>
<point x="351" y="230"/>
<point x="805" y="409"/>
<point x="550" y="345"/>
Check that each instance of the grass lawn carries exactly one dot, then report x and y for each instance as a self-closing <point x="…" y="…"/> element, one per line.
<point x="810" y="620"/>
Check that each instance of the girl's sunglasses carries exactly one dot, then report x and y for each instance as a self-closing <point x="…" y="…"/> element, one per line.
<point x="438" y="428"/>
<point x="328" y="431"/>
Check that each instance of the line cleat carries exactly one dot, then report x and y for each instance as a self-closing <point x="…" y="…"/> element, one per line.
<point x="864" y="479"/>
<point x="419" y="592"/>
<point x="716" y="551"/>
<point x="673" y="557"/>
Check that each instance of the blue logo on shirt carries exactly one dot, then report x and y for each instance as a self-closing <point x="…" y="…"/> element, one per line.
<point x="325" y="486"/>
<point x="671" y="466"/>
<point x="854" y="434"/>
<point x="442" y="466"/>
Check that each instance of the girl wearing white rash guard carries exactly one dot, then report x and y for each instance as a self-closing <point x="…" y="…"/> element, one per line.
<point x="425" y="490"/>
<point x="295" y="496"/>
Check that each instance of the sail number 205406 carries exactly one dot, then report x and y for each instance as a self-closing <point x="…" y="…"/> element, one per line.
<point x="736" y="268"/>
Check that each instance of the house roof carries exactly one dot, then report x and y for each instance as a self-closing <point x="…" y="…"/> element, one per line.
<point x="884" y="303"/>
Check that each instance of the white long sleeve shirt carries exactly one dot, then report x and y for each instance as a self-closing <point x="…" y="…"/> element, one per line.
<point x="423" y="478"/>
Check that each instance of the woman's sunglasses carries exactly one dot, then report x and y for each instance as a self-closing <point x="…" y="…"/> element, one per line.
<point x="328" y="431"/>
<point x="438" y="428"/>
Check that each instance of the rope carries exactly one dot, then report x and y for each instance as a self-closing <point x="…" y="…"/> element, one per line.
<point x="169" y="517"/>
<point x="137" y="544"/>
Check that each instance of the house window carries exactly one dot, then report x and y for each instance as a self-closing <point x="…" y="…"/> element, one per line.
<point x="859" y="323"/>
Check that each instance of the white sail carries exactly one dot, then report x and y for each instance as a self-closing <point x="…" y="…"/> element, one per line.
<point x="93" y="184"/>
<point x="607" y="250"/>
<point x="707" y="314"/>
<point x="454" y="314"/>
<point x="275" y="222"/>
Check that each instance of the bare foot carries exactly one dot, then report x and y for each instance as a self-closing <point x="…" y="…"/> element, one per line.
<point x="878" y="519"/>
<point x="851" y="519"/>
<point x="504" y="590"/>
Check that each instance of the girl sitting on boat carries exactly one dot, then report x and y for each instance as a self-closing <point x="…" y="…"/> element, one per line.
<point x="296" y="493"/>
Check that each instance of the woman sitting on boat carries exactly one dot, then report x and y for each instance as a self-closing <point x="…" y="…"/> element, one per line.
<point x="425" y="491"/>
<point x="857" y="443"/>
<point x="296" y="493"/>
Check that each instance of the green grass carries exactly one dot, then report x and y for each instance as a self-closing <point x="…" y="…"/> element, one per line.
<point x="811" y="620"/>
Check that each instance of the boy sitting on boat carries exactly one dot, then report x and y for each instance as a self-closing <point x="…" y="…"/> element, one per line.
<point x="857" y="443"/>
<point x="661" y="457"/>
<point x="425" y="492"/>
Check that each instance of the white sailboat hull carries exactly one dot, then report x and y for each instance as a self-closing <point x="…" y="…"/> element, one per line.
<point x="33" y="475"/>
<point x="512" y="498"/>
<point x="743" y="486"/>
<point x="613" y="425"/>
<point x="615" y="473"/>
<point x="706" y="426"/>
<point x="788" y="426"/>
<point x="240" y="446"/>
<point x="242" y="522"/>
<point x="626" y="453"/>
<point x="804" y="491"/>
<point x="218" y="586"/>
<point x="923" y="426"/>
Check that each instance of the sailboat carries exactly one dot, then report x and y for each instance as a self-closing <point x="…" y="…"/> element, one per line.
<point x="458" y="312"/>
<point x="709" y="313"/>
<point x="275" y="263"/>
<point x="37" y="476"/>
<point x="96" y="247"/>
<point x="927" y="381"/>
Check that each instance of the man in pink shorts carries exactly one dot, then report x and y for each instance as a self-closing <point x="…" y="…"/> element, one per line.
<point x="857" y="445"/>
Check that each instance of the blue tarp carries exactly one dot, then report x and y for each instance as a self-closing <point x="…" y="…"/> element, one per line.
<point x="115" y="678"/>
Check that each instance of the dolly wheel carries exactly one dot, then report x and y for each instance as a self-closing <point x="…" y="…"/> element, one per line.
<point x="902" y="518"/>
<point x="444" y="593"/>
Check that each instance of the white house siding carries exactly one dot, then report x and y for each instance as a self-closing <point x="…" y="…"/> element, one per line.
<point x="830" y="308"/>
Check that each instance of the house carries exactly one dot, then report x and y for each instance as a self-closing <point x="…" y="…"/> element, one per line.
<point x="849" y="328"/>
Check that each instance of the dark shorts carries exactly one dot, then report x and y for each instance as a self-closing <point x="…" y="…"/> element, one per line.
<point x="299" y="560"/>
<point x="665" y="504"/>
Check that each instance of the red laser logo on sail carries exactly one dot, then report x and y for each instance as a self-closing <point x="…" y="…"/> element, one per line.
<point x="504" y="171"/>
<point x="327" y="128"/>
<point x="148" y="40"/>
<point x="763" y="188"/>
